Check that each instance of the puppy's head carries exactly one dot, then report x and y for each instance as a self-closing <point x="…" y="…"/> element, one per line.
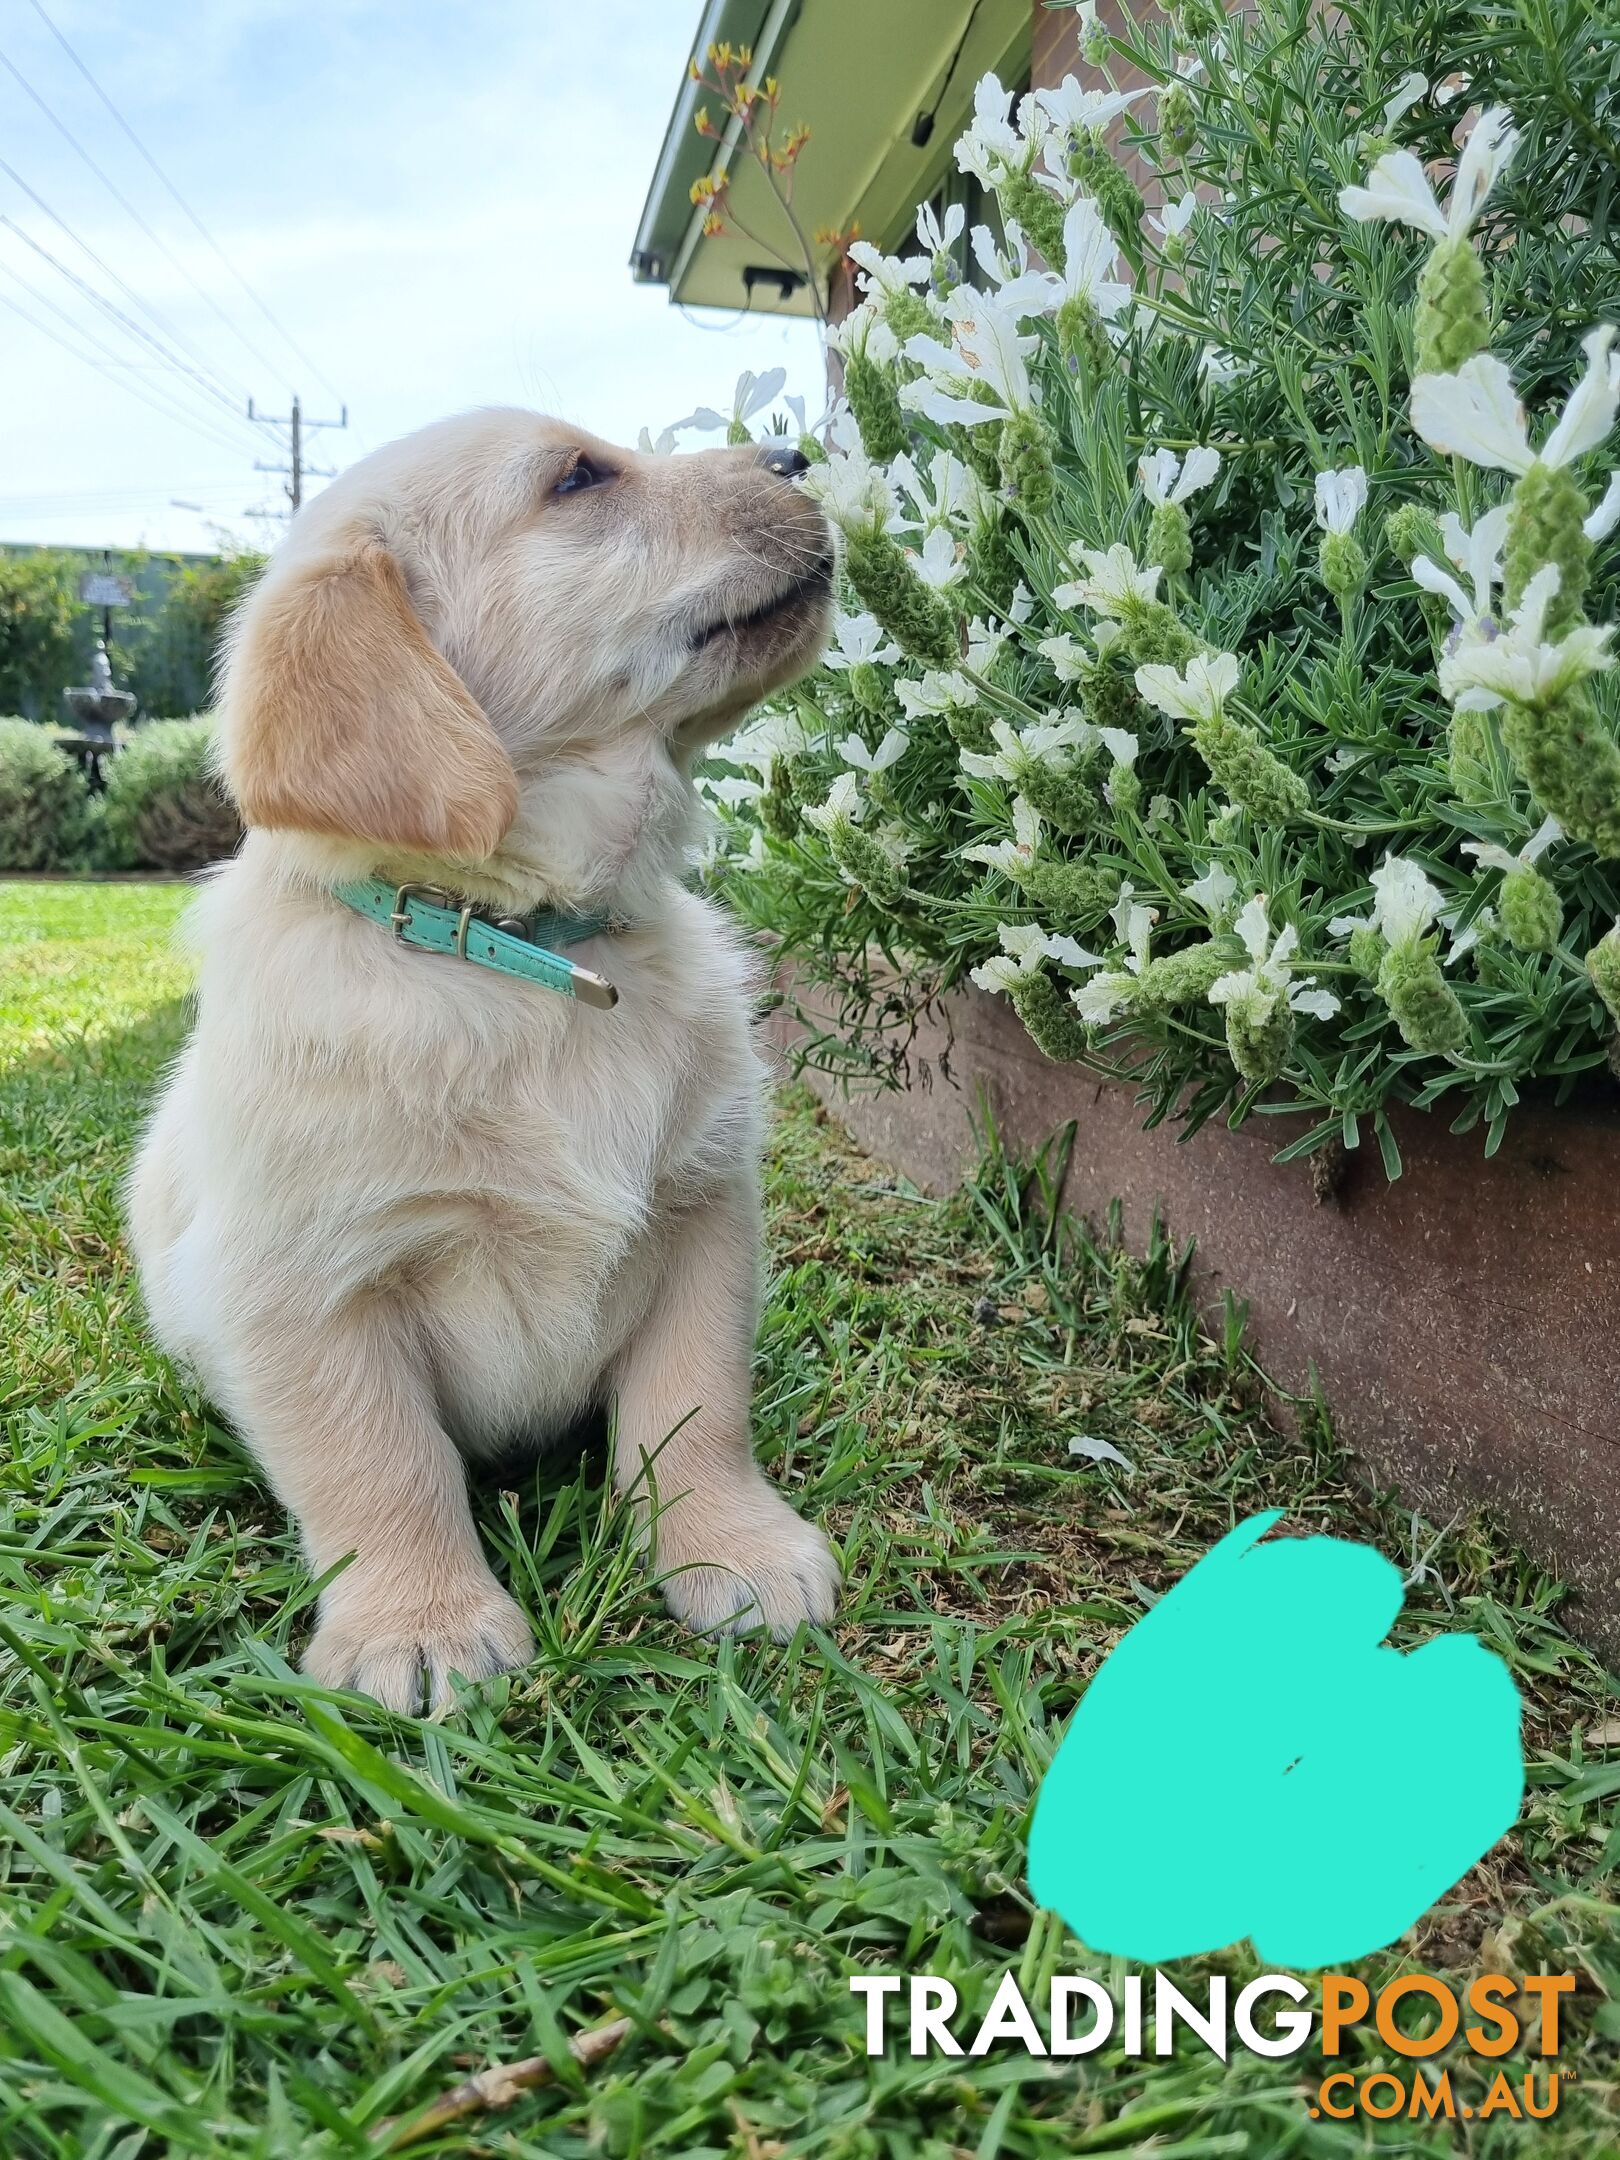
<point x="471" y="612"/>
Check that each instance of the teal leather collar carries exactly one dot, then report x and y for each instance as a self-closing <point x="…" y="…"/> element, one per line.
<point x="429" y="919"/>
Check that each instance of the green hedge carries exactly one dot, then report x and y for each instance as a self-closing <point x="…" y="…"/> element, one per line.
<point x="162" y="808"/>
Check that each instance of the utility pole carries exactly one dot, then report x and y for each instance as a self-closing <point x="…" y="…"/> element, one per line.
<point x="298" y="469"/>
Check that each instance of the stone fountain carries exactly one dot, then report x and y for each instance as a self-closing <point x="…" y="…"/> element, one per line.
<point x="97" y="706"/>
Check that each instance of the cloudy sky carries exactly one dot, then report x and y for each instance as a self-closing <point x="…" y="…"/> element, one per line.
<point x="435" y="201"/>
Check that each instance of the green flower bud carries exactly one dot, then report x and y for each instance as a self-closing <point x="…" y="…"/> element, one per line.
<point x="1178" y="120"/>
<point x="868" y="689"/>
<point x="1109" y="699"/>
<point x="778" y="812"/>
<point x="977" y="446"/>
<point x="737" y="434"/>
<point x="1169" y="539"/>
<point x="1530" y="910"/>
<point x="1367" y="949"/>
<point x="1545" y="526"/>
<point x="1570" y="761"/>
<point x="813" y="449"/>
<point x="868" y="862"/>
<point x="1037" y="213"/>
<point x="1072" y="896"/>
<point x="1152" y="633"/>
<point x="1468" y="757"/>
<point x="1082" y="340"/>
<point x="875" y="402"/>
<point x="913" y="613"/>
<point x="1200" y="18"/>
<point x="993" y="567"/>
<point x="1124" y="788"/>
<point x="907" y="314"/>
<point x="1100" y="173"/>
<point x="1256" y="778"/>
<point x="1421" y="1002"/>
<point x="1259" y="1035"/>
<point x="1185" y="977"/>
<point x="1342" y="564"/>
<point x="969" y="728"/>
<point x="1603" y="966"/>
<point x="1452" y="318"/>
<point x="1061" y="795"/>
<point x="1412" y="529"/>
<point x="1048" y="1013"/>
<point x="1026" y="462"/>
<point x="1096" y="41"/>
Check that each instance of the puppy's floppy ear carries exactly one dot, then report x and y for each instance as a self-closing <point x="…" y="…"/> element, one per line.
<point x="340" y="717"/>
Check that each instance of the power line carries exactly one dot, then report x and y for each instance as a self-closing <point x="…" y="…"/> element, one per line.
<point x="129" y="208"/>
<point x="197" y="425"/>
<point x="106" y="306"/>
<point x="218" y="391"/>
<point x="285" y="335"/>
<point x="296" y="470"/>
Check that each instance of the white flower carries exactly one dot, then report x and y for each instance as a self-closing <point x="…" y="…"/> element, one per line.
<point x="1398" y="190"/>
<point x="864" y="332"/>
<point x="1161" y="811"/>
<point x="889" y="751"/>
<point x="936" y="238"/>
<point x="858" y="640"/>
<point x="991" y="144"/>
<point x="1046" y="743"/>
<point x="1409" y="91"/>
<point x="853" y="492"/>
<point x="1023" y="947"/>
<point x="1079" y="111"/>
<point x="1340" y="498"/>
<point x="1477" y="554"/>
<point x="1134" y="922"/>
<point x="1199" y="694"/>
<point x="1520" y="664"/>
<point x="1405" y="903"/>
<point x="1214" y="891"/>
<point x="1115" y="581"/>
<point x="1476" y="413"/>
<point x="1606" y="516"/>
<point x="1067" y="657"/>
<point x="1098" y="1000"/>
<point x="1018" y="289"/>
<point x="1175" y="218"/>
<point x="940" y="561"/>
<point x="940" y="690"/>
<point x="752" y="394"/>
<point x="984" y="645"/>
<point x="845" y="805"/>
<point x="1268" y="979"/>
<point x="771" y="736"/>
<point x="1013" y="857"/>
<point x="731" y="790"/>
<point x="1022" y="604"/>
<point x="1218" y="366"/>
<point x="1491" y="857"/>
<point x="949" y="492"/>
<point x="665" y="443"/>
<point x="986" y="349"/>
<point x="1090" y="257"/>
<point x="883" y="275"/>
<point x="1165" y="478"/>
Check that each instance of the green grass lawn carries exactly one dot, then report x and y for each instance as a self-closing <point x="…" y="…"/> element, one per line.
<point x="243" y="1918"/>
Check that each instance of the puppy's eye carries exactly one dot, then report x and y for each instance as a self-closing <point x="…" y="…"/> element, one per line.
<point x="582" y="474"/>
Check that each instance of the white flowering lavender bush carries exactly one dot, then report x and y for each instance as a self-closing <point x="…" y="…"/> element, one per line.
<point x="1224" y="670"/>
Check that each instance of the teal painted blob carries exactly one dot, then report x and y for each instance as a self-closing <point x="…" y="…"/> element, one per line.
<point x="1253" y="1759"/>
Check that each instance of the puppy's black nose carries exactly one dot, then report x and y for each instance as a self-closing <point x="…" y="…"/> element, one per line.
<point x="783" y="460"/>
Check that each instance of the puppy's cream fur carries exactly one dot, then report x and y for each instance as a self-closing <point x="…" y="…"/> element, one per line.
<point x="397" y="1210"/>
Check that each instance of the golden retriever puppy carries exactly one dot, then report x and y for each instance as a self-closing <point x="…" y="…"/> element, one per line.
<point x="397" y="1209"/>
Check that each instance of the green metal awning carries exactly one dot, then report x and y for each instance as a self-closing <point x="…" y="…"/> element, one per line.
<point x="858" y="73"/>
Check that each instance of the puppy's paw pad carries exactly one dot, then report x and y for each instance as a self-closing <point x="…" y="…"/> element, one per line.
<point x="773" y="1571"/>
<point x="403" y="1657"/>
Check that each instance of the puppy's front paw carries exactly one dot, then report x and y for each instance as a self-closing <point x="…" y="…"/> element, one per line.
<point x="402" y="1651"/>
<point x="761" y="1567"/>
